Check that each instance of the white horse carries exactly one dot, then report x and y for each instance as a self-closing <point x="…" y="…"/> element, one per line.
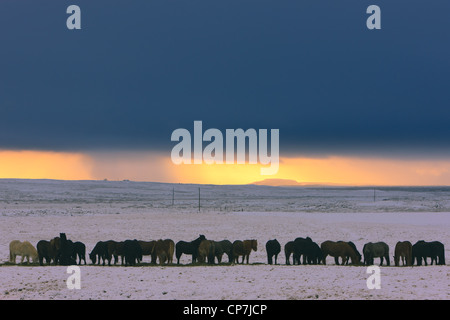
<point x="24" y="249"/>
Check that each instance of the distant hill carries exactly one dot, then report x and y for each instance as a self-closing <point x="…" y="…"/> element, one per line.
<point x="290" y="183"/>
<point x="277" y="182"/>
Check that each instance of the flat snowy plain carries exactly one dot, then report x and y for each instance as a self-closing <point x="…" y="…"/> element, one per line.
<point x="91" y="211"/>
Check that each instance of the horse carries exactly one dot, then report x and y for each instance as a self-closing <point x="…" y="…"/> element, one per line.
<point x="243" y="248"/>
<point x="24" y="249"/>
<point x="306" y="248"/>
<point x="66" y="251"/>
<point x="273" y="248"/>
<point x="163" y="250"/>
<point x="206" y="251"/>
<point x="55" y="250"/>
<point x="351" y="244"/>
<point x="338" y="249"/>
<point x="79" y="250"/>
<point x="188" y="248"/>
<point x="44" y="252"/>
<point x="221" y="247"/>
<point x="434" y="250"/>
<point x="132" y="252"/>
<point x="316" y="255"/>
<point x="312" y="254"/>
<point x="403" y="250"/>
<point x="288" y="250"/>
<point x="99" y="252"/>
<point x="376" y="250"/>
<point x="147" y="248"/>
<point x="118" y="252"/>
<point x="49" y="250"/>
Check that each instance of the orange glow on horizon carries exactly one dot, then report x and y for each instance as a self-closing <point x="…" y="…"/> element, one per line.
<point x="147" y="166"/>
<point x="331" y="170"/>
<point x="44" y="165"/>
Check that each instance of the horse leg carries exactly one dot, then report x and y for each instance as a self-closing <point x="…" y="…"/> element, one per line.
<point x="336" y="260"/>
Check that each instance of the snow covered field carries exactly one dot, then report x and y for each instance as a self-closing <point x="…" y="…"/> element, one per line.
<point x="91" y="211"/>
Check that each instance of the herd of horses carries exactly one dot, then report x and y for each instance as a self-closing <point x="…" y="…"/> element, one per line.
<point x="62" y="251"/>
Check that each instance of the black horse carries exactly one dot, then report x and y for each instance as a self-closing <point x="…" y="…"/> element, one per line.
<point x="188" y="248"/>
<point x="79" y="250"/>
<point x="67" y="249"/>
<point x="311" y="252"/>
<point x="376" y="250"/>
<point x="273" y="248"/>
<point x="99" y="253"/>
<point x="132" y="251"/>
<point x="423" y="250"/>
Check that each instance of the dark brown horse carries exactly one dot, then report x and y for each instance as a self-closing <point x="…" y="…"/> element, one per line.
<point x="45" y="251"/>
<point x="288" y="250"/>
<point x="243" y="248"/>
<point x="147" y="248"/>
<point x="403" y="251"/>
<point x="338" y="250"/>
<point x="221" y="247"/>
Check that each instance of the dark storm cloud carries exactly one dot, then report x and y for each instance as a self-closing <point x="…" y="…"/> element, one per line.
<point x="138" y="70"/>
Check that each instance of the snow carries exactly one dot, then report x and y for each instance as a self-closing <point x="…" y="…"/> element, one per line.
<point x="91" y="211"/>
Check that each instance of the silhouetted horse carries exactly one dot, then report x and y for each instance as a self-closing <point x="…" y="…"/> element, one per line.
<point x="273" y="248"/>
<point x="188" y="248"/>
<point x="423" y="250"/>
<point x="376" y="250"/>
<point x="403" y="251"/>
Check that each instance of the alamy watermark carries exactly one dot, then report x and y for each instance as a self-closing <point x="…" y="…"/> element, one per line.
<point x="374" y="280"/>
<point x="74" y="280"/>
<point x="235" y="144"/>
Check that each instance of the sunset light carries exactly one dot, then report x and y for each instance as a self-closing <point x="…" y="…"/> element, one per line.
<point x="142" y="166"/>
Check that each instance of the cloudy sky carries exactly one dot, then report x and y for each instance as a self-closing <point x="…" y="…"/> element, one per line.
<point x="352" y="105"/>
